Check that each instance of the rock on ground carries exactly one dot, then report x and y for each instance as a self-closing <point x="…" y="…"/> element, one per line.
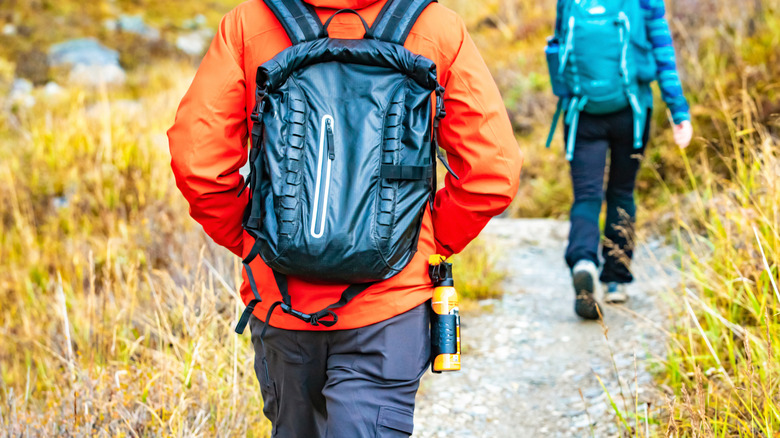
<point x="530" y="365"/>
<point x="194" y="43"/>
<point x="90" y="62"/>
<point x="21" y="93"/>
<point x="135" y="24"/>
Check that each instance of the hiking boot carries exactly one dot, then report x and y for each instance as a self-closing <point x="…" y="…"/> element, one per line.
<point x="584" y="276"/>
<point x="615" y="293"/>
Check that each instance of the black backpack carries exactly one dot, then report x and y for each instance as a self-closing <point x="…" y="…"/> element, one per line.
<point x="343" y="154"/>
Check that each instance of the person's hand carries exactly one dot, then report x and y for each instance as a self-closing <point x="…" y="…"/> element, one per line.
<point x="683" y="133"/>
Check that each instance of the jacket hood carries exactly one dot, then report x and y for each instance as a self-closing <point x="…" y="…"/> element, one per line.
<point x="341" y="4"/>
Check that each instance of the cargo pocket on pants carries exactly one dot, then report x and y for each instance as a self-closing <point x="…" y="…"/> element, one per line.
<point x="394" y="423"/>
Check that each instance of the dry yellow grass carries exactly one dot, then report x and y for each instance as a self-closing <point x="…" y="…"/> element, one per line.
<point x="117" y="313"/>
<point x="723" y="360"/>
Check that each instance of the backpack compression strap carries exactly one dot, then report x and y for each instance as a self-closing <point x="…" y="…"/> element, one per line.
<point x="297" y="18"/>
<point x="396" y="20"/>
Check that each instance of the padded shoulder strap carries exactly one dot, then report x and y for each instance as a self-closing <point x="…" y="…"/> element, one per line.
<point x="396" y="19"/>
<point x="298" y="19"/>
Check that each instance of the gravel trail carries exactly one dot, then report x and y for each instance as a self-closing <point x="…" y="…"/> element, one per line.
<point x="530" y="364"/>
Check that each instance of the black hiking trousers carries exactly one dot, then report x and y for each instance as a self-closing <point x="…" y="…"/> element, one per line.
<point x="343" y="383"/>
<point x="597" y="137"/>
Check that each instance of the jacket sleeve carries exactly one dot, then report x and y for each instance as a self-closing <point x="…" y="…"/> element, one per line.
<point x="481" y="149"/>
<point x="209" y="137"/>
<point x="668" y="79"/>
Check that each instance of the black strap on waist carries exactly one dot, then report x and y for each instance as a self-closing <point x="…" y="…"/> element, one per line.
<point x="325" y="317"/>
<point x="242" y="322"/>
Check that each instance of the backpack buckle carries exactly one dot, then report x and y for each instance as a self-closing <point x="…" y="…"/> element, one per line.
<point x="305" y="317"/>
<point x="440" y="111"/>
<point x="259" y="109"/>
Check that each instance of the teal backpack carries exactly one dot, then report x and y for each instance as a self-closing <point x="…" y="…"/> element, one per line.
<point x="597" y="59"/>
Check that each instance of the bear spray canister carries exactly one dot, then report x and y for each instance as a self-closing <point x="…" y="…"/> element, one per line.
<point x="445" y="320"/>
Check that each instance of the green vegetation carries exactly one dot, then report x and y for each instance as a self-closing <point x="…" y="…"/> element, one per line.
<point x="722" y="363"/>
<point x="477" y="273"/>
<point x="723" y="359"/>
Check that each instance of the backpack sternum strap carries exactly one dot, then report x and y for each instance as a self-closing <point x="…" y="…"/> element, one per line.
<point x="396" y="20"/>
<point x="297" y="18"/>
<point x="625" y="39"/>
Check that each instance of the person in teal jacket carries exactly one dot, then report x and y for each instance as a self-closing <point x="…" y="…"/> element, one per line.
<point x="613" y="134"/>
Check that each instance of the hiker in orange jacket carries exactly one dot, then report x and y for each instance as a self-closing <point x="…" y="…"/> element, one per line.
<point x="360" y="376"/>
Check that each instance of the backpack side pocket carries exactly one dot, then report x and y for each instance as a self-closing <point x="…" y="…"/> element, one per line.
<point x="552" y="53"/>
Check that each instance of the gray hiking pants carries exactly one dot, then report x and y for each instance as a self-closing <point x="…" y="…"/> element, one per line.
<point x="343" y="383"/>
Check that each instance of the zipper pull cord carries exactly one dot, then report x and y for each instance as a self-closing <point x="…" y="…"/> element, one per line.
<point x="331" y="147"/>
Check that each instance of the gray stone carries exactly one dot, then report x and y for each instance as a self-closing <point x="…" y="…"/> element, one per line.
<point x="194" y="43"/>
<point x="574" y="413"/>
<point x="110" y="24"/>
<point x="90" y="62"/>
<point x="135" y="24"/>
<point x="196" y="22"/>
<point x="21" y="93"/>
<point x="52" y="89"/>
<point x="21" y="86"/>
<point x="593" y="392"/>
<point x="60" y="202"/>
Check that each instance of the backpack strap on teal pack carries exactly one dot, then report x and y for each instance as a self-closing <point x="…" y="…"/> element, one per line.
<point x="568" y="46"/>
<point x="576" y="106"/>
<point x="639" y="119"/>
<point x="556" y="117"/>
<point x="631" y="89"/>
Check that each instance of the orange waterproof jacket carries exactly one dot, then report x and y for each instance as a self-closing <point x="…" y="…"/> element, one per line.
<point x="208" y="144"/>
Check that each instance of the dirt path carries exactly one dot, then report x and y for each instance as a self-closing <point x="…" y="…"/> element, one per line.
<point x="526" y="360"/>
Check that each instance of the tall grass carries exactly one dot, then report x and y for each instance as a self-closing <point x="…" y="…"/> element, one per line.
<point x="478" y="272"/>
<point x="116" y="314"/>
<point x="723" y="364"/>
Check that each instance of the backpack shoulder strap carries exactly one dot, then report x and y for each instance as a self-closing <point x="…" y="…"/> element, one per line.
<point x="297" y="18"/>
<point x="396" y="19"/>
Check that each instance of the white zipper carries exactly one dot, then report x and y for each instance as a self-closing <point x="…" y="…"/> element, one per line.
<point x="316" y="211"/>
